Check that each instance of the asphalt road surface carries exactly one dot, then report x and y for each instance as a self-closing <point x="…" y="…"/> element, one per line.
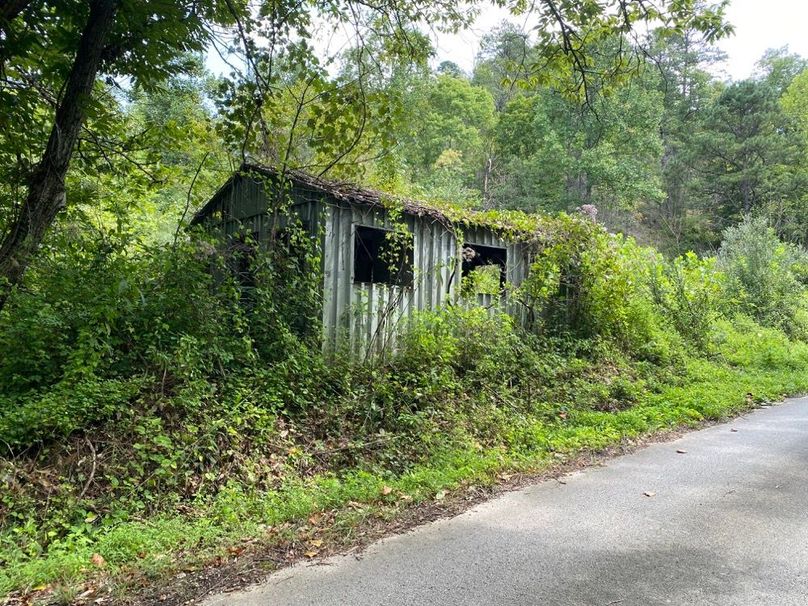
<point x="726" y="523"/>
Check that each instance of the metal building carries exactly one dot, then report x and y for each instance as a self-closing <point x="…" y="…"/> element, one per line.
<point x="365" y="300"/>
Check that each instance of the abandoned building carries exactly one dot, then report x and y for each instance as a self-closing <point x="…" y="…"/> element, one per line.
<point x="381" y="261"/>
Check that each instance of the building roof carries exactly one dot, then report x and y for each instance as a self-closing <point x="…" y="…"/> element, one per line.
<point x="342" y="191"/>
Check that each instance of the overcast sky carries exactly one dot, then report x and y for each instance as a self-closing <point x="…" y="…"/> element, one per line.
<point x="763" y="24"/>
<point x="759" y="25"/>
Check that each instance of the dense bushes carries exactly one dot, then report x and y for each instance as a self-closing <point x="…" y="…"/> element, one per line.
<point x="587" y="284"/>
<point x="688" y="292"/>
<point x="110" y="311"/>
<point x="765" y="277"/>
<point x="136" y="380"/>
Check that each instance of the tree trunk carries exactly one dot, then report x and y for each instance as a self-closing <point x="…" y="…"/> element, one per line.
<point x="9" y="10"/>
<point x="746" y="190"/>
<point x="46" y="185"/>
<point x="489" y="165"/>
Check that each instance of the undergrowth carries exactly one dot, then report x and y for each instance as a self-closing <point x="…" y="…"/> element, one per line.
<point x="142" y="438"/>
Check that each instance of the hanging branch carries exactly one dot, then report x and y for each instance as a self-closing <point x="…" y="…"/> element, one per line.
<point x="188" y="201"/>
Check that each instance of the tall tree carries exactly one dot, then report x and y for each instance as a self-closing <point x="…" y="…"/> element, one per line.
<point x="787" y="213"/>
<point x="451" y="122"/>
<point x="684" y="60"/>
<point x="748" y="155"/>
<point x="58" y="50"/>
<point x="506" y="58"/>
<point x="778" y="67"/>
<point x="55" y="51"/>
<point x="555" y="155"/>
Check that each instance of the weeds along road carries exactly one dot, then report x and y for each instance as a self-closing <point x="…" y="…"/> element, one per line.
<point x="722" y="521"/>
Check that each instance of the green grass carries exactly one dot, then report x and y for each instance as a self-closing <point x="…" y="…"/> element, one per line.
<point x="707" y="391"/>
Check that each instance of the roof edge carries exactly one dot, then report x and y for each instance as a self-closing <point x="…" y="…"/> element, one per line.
<point x="355" y="194"/>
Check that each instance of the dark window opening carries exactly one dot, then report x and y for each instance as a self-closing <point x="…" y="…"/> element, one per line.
<point x="484" y="269"/>
<point x="382" y="256"/>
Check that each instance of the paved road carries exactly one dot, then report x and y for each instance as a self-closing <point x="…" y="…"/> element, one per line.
<point x="728" y="525"/>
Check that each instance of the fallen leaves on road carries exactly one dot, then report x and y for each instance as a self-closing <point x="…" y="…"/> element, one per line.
<point x="648" y="493"/>
<point x="386" y="490"/>
<point x="680" y="451"/>
<point x="98" y="560"/>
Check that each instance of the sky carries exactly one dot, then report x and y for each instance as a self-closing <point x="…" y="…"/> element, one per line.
<point x="759" y="25"/>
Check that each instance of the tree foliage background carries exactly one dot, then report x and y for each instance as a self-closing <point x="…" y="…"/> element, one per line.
<point x="140" y="379"/>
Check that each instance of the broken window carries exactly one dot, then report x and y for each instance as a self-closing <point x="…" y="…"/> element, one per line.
<point x="382" y="256"/>
<point x="483" y="269"/>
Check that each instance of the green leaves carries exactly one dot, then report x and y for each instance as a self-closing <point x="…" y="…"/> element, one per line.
<point x="39" y="417"/>
<point x="554" y="156"/>
<point x="445" y="133"/>
<point x="763" y="273"/>
<point x="573" y="35"/>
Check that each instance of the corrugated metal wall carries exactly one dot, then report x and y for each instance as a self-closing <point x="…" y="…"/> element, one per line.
<point x="364" y="318"/>
<point x="242" y="207"/>
<point x="361" y="319"/>
<point x="516" y="270"/>
<point x="518" y="263"/>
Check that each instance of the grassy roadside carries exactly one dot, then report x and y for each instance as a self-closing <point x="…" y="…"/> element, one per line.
<point x="167" y="443"/>
<point x="119" y="556"/>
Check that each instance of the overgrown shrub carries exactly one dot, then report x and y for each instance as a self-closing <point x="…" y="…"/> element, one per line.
<point x="763" y="274"/>
<point x="58" y="411"/>
<point x="590" y="284"/>
<point x="165" y="382"/>
<point x="112" y="309"/>
<point x="688" y="292"/>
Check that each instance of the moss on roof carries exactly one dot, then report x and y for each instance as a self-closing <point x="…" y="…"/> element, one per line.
<point x="515" y="223"/>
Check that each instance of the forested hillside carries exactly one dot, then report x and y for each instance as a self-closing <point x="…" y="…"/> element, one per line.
<point x="671" y="154"/>
<point x="159" y="416"/>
